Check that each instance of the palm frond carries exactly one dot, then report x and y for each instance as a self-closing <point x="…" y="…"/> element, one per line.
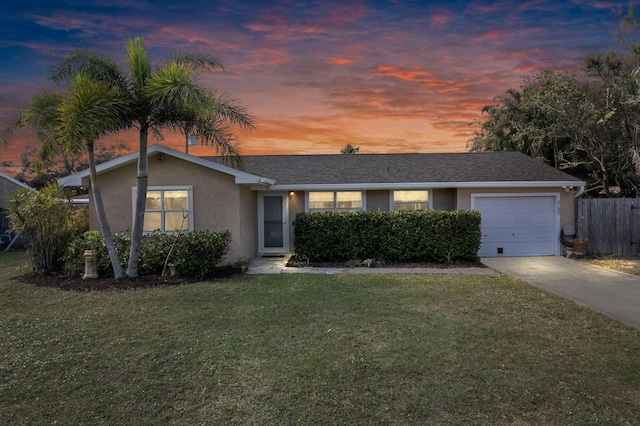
<point x="172" y="87"/>
<point x="196" y="62"/>
<point x="91" y="111"/>
<point x="226" y="107"/>
<point x="139" y="63"/>
<point x="43" y="117"/>
<point x="43" y="111"/>
<point x="214" y="132"/>
<point x="96" y="66"/>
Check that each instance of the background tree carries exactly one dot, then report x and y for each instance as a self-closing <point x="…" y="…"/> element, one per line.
<point x="164" y="98"/>
<point x="62" y="165"/>
<point x="582" y="121"/>
<point x="349" y="149"/>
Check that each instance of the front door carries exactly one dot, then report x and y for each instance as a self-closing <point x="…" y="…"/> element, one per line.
<point x="273" y="232"/>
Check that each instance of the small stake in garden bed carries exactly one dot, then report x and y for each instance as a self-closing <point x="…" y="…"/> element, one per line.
<point x="172" y="266"/>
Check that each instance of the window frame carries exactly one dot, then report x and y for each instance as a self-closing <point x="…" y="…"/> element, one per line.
<point x="392" y="202"/>
<point x="188" y="188"/>
<point x="335" y="208"/>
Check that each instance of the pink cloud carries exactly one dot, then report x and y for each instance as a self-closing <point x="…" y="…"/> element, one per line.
<point x="440" y="18"/>
<point x="496" y="37"/>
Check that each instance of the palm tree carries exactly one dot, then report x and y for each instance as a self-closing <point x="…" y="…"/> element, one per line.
<point x="71" y="123"/>
<point x="166" y="97"/>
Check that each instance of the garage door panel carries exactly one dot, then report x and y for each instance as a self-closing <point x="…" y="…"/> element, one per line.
<point x="539" y="233"/>
<point x="498" y="233"/>
<point x="531" y="234"/>
<point x="497" y="220"/>
<point x="518" y="225"/>
<point x="517" y="249"/>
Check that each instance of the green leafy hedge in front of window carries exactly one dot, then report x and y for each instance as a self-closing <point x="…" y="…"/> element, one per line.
<point x="402" y="236"/>
<point x="195" y="254"/>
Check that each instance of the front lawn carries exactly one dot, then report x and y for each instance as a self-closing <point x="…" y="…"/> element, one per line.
<point x="312" y="349"/>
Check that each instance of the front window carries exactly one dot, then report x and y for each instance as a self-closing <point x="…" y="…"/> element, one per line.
<point x="410" y="200"/>
<point x="168" y="209"/>
<point x="335" y="201"/>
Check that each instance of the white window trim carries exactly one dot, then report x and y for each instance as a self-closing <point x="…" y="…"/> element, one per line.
<point x="188" y="188"/>
<point x="429" y="197"/>
<point x="362" y="193"/>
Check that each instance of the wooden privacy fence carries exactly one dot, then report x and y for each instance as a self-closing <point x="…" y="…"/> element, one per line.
<point x="612" y="225"/>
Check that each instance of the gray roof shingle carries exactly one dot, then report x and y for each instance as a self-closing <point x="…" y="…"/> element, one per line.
<point x="402" y="168"/>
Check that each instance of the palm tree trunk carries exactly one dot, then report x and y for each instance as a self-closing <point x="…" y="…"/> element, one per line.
<point x="141" y="201"/>
<point x="105" y="229"/>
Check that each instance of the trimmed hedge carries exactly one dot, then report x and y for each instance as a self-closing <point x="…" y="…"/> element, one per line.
<point x="92" y="240"/>
<point x="195" y="253"/>
<point x="403" y="236"/>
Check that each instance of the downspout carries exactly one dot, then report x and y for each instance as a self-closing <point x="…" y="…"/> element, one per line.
<point x="580" y="191"/>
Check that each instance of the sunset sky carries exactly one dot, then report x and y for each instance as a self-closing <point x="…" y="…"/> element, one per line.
<point x="387" y="76"/>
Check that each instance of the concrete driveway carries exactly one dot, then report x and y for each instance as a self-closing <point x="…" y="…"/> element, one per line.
<point x="614" y="294"/>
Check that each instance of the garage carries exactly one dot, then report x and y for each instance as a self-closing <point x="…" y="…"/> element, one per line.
<point x="518" y="225"/>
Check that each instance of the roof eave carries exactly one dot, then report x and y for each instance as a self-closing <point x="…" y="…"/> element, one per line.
<point x="420" y="185"/>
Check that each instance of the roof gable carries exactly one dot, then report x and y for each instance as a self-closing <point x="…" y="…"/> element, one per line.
<point x="16" y="182"/>
<point x="241" y="177"/>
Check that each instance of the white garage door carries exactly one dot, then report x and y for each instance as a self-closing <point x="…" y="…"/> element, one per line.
<point x="518" y="225"/>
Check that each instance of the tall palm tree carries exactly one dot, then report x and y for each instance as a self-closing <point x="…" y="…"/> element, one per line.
<point x="71" y="123"/>
<point x="165" y="97"/>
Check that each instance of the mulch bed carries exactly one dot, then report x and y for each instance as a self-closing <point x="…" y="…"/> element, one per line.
<point x="294" y="263"/>
<point x="76" y="283"/>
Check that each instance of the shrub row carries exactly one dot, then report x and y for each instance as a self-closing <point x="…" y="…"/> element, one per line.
<point x="403" y="236"/>
<point x="195" y="254"/>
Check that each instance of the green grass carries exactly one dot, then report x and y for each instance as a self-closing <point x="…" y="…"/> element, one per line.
<point x="312" y="349"/>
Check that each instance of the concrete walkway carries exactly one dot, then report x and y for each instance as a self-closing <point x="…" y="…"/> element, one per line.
<point x="614" y="294"/>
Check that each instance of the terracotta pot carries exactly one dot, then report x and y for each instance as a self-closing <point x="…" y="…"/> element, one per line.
<point x="580" y="247"/>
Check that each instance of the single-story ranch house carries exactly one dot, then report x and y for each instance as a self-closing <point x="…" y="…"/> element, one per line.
<point x="523" y="202"/>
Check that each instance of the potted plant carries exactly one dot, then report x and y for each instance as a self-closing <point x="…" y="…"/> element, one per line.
<point x="580" y="243"/>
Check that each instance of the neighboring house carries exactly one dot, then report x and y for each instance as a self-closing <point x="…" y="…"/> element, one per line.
<point x="523" y="202"/>
<point x="7" y="186"/>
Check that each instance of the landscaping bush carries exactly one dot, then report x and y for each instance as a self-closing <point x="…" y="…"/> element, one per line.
<point x="154" y="251"/>
<point x="45" y="220"/>
<point x="195" y="253"/>
<point x="92" y="240"/>
<point x="403" y="236"/>
<point x="79" y="220"/>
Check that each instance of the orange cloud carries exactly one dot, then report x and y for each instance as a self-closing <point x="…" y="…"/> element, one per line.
<point x="341" y="61"/>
